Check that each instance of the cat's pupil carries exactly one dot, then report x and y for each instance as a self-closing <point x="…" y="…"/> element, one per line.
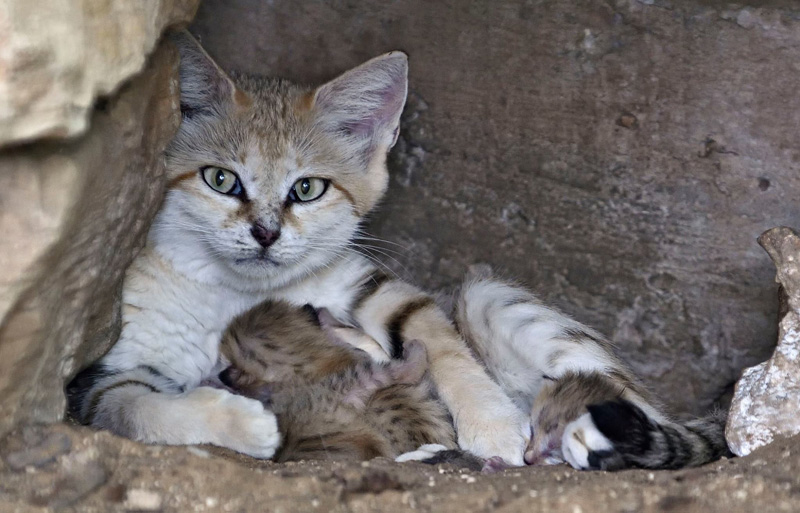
<point x="220" y="178"/>
<point x="305" y="186"/>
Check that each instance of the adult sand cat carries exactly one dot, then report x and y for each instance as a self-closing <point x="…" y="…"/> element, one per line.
<point x="268" y="183"/>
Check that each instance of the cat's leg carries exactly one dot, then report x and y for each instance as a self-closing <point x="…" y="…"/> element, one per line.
<point x="487" y="421"/>
<point x="569" y="374"/>
<point x="146" y="406"/>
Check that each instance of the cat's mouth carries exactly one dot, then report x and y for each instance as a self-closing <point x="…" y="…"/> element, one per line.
<point x="262" y="259"/>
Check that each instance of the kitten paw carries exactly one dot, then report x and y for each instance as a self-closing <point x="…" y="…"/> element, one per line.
<point x="240" y="423"/>
<point x="423" y="453"/>
<point x="494" y="464"/>
<point x="586" y="448"/>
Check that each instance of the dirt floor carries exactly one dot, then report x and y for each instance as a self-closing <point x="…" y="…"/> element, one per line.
<point x="72" y="468"/>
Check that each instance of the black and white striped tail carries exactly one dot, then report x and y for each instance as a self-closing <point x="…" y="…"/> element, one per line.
<point x="639" y="441"/>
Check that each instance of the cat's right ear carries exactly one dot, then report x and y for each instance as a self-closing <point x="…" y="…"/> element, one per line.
<point x="205" y="88"/>
<point x="364" y="104"/>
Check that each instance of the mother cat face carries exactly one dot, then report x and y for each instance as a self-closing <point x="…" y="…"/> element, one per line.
<point x="273" y="179"/>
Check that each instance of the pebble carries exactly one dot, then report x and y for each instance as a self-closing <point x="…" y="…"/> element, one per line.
<point x="41" y="454"/>
<point x="139" y="499"/>
<point x="627" y="120"/>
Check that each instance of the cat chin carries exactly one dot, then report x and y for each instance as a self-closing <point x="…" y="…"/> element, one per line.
<point x="258" y="267"/>
<point x="257" y="262"/>
<point x="267" y="271"/>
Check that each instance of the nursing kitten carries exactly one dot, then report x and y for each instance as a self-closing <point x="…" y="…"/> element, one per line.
<point x="586" y="406"/>
<point x="267" y="185"/>
<point x="332" y="401"/>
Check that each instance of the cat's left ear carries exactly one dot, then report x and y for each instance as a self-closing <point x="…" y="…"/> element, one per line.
<point x="364" y="104"/>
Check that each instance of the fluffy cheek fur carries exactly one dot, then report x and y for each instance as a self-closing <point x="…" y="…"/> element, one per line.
<point x="207" y="217"/>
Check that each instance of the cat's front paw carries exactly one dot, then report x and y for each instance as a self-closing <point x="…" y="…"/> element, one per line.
<point x="501" y="434"/>
<point x="240" y="423"/>
<point x="586" y="448"/>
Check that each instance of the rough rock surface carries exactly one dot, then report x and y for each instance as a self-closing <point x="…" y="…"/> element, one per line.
<point x="767" y="397"/>
<point x="621" y="157"/>
<point x="55" y="60"/>
<point x="73" y="213"/>
<point x="75" y="469"/>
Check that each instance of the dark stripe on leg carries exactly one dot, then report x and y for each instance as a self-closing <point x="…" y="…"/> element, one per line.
<point x="81" y="385"/>
<point x="99" y="395"/>
<point x="397" y="322"/>
<point x="368" y="288"/>
<point x="170" y="382"/>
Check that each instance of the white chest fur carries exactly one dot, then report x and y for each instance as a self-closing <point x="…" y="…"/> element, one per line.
<point x="174" y="323"/>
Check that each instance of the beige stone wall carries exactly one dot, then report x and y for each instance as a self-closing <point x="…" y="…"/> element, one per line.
<point x="74" y="210"/>
<point x="58" y="56"/>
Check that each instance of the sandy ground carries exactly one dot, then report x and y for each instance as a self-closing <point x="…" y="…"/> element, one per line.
<point x="72" y="468"/>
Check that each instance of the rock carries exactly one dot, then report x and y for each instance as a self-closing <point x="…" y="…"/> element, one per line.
<point x="72" y="216"/>
<point x="625" y="226"/>
<point x="142" y="500"/>
<point x="57" y="61"/>
<point x="74" y="482"/>
<point x="39" y="454"/>
<point x="137" y="477"/>
<point x="767" y="397"/>
<point x="627" y="120"/>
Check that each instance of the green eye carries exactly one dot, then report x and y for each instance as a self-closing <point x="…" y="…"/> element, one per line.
<point x="222" y="180"/>
<point x="308" y="189"/>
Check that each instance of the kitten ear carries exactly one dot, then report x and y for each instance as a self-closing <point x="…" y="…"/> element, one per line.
<point x="205" y="88"/>
<point x="364" y="104"/>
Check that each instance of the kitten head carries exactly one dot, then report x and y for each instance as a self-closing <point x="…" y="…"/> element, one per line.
<point x="269" y="179"/>
<point x="561" y="401"/>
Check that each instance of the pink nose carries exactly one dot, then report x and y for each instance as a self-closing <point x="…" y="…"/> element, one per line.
<point x="264" y="236"/>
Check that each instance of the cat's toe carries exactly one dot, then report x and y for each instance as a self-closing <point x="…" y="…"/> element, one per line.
<point x="586" y="448"/>
<point x="264" y="438"/>
<point x="505" y="434"/>
<point x="244" y="425"/>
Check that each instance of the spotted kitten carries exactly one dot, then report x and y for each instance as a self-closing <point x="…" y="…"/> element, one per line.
<point x="332" y="401"/>
<point x="268" y="183"/>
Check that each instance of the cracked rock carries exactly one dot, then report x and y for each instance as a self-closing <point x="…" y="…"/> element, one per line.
<point x="767" y="397"/>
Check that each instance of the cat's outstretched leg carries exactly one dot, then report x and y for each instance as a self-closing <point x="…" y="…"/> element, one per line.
<point x="585" y="404"/>
<point x="487" y="421"/>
